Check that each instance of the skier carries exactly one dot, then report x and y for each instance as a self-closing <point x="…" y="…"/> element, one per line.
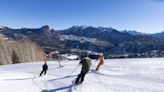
<point x="60" y="58"/>
<point x="45" y="68"/>
<point x="101" y="61"/>
<point x="86" y="63"/>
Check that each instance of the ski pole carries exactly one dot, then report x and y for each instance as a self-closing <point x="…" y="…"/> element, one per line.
<point x="74" y="70"/>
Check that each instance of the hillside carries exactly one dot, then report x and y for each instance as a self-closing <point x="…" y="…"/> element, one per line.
<point x="78" y="39"/>
<point x="121" y="42"/>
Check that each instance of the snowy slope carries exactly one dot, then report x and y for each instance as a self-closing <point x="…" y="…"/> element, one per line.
<point x="116" y="75"/>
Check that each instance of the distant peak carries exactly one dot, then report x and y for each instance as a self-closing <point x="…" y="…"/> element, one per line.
<point x="45" y="27"/>
<point x="83" y="26"/>
<point x="105" y="28"/>
<point x="100" y="27"/>
<point x="133" y="32"/>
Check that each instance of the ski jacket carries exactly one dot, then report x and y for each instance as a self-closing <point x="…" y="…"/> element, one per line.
<point x="101" y="58"/>
<point x="45" y="67"/>
<point x="86" y="64"/>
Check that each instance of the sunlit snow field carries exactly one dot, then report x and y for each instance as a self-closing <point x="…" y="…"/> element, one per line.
<point x="116" y="75"/>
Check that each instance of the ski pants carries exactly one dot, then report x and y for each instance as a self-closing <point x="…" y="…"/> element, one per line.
<point x="80" y="77"/>
<point x="43" y="71"/>
<point x="97" y="68"/>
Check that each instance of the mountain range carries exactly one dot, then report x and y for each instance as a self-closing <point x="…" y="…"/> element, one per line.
<point x="87" y="38"/>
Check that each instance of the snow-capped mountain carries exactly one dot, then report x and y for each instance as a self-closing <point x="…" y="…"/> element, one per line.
<point x="97" y="39"/>
<point x="122" y="42"/>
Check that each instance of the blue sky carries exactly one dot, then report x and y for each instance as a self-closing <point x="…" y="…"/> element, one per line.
<point x="140" y="15"/>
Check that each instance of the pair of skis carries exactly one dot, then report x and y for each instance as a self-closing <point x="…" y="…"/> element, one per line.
<point x="74" y="85"/>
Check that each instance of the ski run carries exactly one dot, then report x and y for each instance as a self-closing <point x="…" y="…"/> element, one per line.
<point x="116" y="75"/>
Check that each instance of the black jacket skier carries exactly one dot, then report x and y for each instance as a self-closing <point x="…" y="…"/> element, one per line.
<point x="86" y="64"/>
<point x="45" y="68"/>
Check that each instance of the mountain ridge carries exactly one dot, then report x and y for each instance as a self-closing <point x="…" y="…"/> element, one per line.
<point x="96" y="39"/>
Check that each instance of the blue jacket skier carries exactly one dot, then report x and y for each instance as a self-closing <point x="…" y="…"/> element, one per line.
<point x="44" y="69"/>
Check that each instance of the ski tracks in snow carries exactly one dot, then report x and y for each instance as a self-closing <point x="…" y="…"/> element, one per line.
<point x="114" y="76"/>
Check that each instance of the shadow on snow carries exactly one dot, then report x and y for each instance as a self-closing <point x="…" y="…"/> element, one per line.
<point x="67" y="88"/>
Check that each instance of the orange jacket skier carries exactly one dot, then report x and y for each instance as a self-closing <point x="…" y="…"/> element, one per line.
<point x="101" y="61"/>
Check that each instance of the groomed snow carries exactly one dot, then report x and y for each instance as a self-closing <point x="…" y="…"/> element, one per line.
<point x="116" y="75"/>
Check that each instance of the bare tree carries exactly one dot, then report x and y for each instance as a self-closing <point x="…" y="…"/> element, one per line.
<point x="15" y="58"/>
